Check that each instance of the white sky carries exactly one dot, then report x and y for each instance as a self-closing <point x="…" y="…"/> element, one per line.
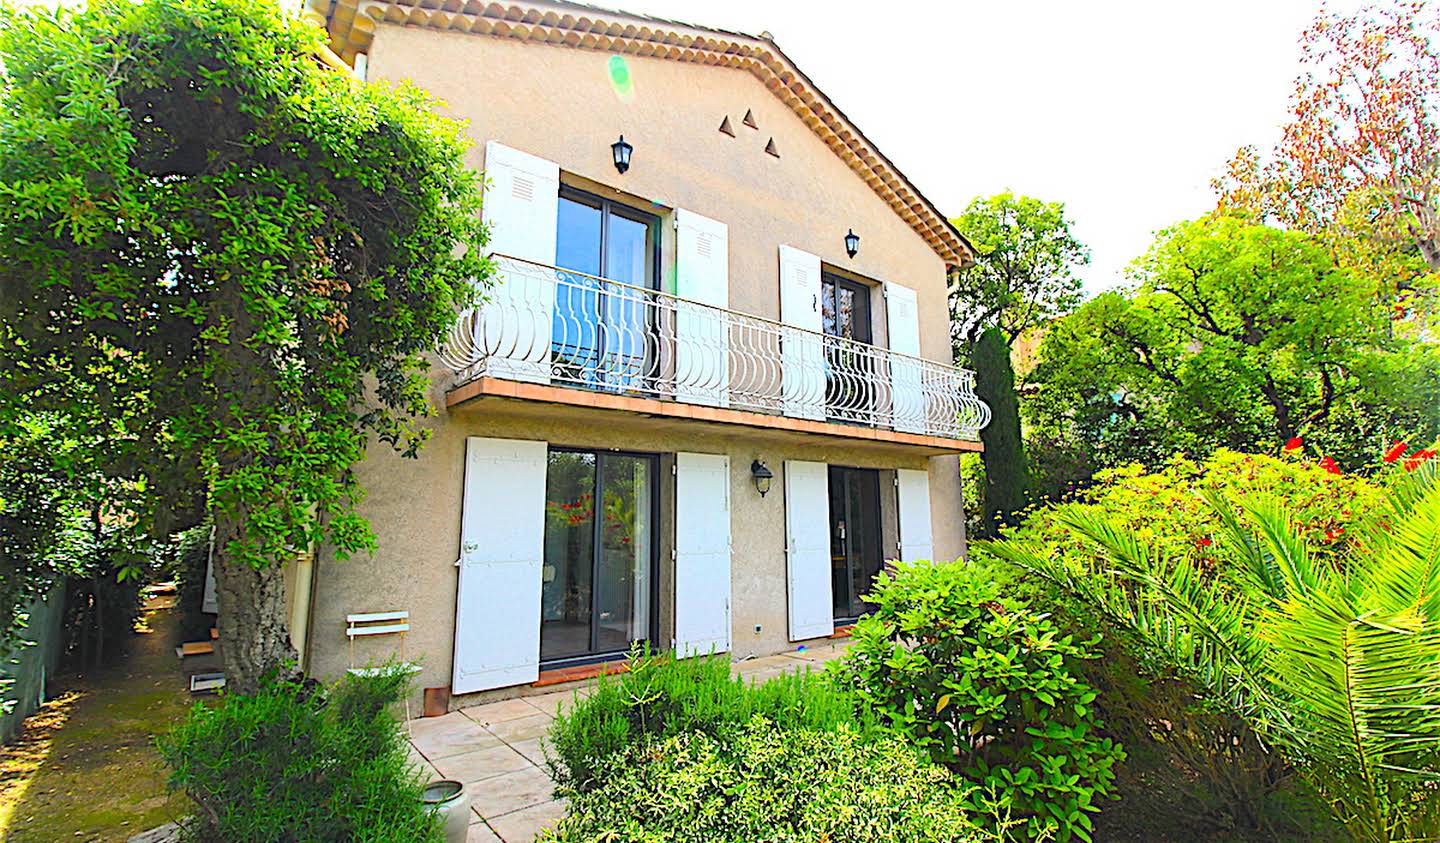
<point x="1122" y="109"/>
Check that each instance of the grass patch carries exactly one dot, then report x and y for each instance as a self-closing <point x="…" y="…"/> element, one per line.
<point x="85" y="767"/>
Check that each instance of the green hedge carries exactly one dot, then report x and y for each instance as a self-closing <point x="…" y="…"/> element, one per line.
<point x="662" y="697"/>
<point x="760" y="783"/>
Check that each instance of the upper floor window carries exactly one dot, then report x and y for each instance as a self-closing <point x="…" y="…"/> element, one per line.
<point x="599" y="237"/>
<point x="845" y="308"/>
<point x="601" y="331"/>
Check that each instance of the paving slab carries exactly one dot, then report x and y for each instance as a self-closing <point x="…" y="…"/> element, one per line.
<point x="521" y="728"/>
<point x="498" y="712"/>
<point x="479" y="832"/>
<point x="473" y="767"/>
<point x="511" y="792"/>
<point x="448" y="736"/>
<point x="524" y="825"/>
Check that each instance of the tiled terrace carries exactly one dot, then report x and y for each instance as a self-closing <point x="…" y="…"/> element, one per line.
<point x="496" y="750"/>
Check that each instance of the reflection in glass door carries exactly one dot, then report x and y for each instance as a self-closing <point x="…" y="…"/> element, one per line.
<point x="596" y="594"/>
<point x="856" y="556"/>
<point x="845" y="319"/>
<point x="601" y="331"/>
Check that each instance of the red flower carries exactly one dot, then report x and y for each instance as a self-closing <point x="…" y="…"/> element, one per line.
<point x="1415" y="460"/>
<point x="1294" y="443"/>
<point x="1329" y="464"/>
<point x="1333" y="534"/>
<point x="1397" y="450"/>
<point x="1204" y="543"/>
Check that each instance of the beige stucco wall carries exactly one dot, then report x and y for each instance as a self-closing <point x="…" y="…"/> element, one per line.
<point x="415" y="507"/>
<point x="558" y="103"/>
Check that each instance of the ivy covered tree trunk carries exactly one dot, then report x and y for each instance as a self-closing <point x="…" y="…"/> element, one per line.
<point x="1004" y="456"/>
<point x="254" y="635"/>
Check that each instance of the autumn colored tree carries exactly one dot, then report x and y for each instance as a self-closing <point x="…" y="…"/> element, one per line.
<point x="1357" y="163"/>
<point x="1024" y="274"/>
<point x="220" y="266"/>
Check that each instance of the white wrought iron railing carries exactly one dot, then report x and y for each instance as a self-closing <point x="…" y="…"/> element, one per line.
<point x="550" y="325"/>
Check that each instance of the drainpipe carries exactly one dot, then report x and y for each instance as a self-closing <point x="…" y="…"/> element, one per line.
<point x="301" y="606"/>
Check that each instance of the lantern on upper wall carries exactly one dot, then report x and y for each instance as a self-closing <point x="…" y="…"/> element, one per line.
<point x="852" y="243"/>
<point x="621" y="150"/>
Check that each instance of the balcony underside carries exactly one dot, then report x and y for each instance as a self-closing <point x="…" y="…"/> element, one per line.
<point x="517" y="398"/>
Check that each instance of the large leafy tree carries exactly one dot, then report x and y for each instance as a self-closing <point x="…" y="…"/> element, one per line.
<point x="224" y="262"/>
<point x="1239" y="335"/>
<point x="1024" y="274"/>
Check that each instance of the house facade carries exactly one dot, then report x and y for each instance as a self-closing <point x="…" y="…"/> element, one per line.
<point x="686" y="413"/>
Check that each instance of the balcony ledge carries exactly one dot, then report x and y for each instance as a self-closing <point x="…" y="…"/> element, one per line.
<point x="468" y="394"/>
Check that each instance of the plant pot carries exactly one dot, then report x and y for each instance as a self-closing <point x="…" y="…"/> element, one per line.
<point x="451" y="801"/>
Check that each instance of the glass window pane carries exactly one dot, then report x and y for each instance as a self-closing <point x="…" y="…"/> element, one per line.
<point x="623" y="580"/>
<point x="574" y="326"/>
<point x="577" y="237"/>
<point x="627" y="250"/>
<point x="565" y="599"/>
<point x="827" y="309"/>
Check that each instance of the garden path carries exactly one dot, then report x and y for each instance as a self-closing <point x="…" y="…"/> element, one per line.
<point x="496" y="749"/>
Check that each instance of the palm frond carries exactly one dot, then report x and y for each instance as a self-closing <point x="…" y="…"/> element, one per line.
<point x="1257" y="566"/>
<point x="1205" y="633"/>
<point x="1283" y="544"/>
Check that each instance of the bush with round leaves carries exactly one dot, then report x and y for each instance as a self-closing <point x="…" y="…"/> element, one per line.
<point x="986" y="685"/>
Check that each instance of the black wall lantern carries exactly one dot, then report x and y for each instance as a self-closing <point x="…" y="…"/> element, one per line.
<point x="622" y="151"/>
<point x="762" y="477"/>
<point x="852" y="242"/>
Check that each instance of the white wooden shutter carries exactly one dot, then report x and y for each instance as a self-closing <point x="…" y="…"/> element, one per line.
<point x="502" y="545"/>
<point x="915" y="535"/>
<point x="522" y="208"/>
<point x="702" y="336"/>
<point x="802" y="352"/>
<point x="807" y="549"/>
<point x="702" y="554"/>
<point x="902" y="317"/>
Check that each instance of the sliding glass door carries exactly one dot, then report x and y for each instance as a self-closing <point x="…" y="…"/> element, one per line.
<point x="856" y="556"/>
<point x="599" y="572"/>
<point x="602" y="331"/>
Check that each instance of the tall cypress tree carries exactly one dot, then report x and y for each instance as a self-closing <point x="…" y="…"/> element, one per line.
<point x="1004" y="456"/>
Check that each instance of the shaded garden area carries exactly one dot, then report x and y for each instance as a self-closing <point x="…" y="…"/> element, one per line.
<point x="85" y="767"/>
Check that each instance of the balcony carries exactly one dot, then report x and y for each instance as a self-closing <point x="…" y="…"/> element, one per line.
<point x="546" y="325"/>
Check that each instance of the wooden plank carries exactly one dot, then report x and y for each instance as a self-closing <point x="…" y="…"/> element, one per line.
<point x="371" y="617"/>
<point x="356" y="631"/>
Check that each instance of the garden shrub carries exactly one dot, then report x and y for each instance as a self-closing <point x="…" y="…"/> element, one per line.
<point x="765" y="784"/>
<point x="298" y="762"/>
<point x="1192" y="770"/>
<point x="662" y="696"/>
<point x="1295" y="631"/>
<point x="1166" y="510"/>
<point x="988" y="687"/>
<point x="191" y="556"/>
<point x="1191" y="764"/>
